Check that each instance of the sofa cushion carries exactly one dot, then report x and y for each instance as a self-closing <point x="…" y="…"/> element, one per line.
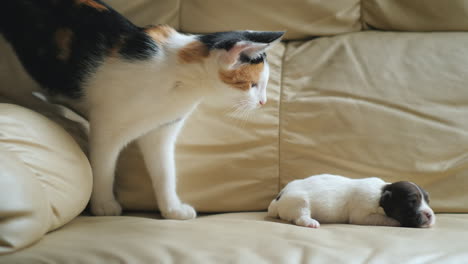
<point x="416" y="15"/>
<point x="245" y="238"/>
<point x="146" y="12"/>
<point x="300" y="18"/>
<point x="45" y="179"/>
<point x="391" y="105"/>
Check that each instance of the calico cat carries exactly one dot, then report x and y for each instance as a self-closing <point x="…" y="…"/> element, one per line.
<point x="137" y="83"/>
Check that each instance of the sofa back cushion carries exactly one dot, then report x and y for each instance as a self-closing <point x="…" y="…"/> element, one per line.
<point x="300" y="18"/>
<point x="391" y="105"/>
<point x="416" y="15"/>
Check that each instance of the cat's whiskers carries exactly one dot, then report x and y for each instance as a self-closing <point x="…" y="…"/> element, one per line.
<point x="241" y="112"/>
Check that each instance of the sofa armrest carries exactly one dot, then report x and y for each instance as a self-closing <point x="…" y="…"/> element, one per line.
<point x="45" y="178"/>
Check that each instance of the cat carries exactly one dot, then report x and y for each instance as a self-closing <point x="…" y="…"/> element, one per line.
<point x="137" y="83"/>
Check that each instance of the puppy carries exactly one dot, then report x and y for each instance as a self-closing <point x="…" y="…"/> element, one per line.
<point x="335" y="199"/>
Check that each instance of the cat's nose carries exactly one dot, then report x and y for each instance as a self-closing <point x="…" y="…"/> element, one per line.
<point x="262" y="102"/>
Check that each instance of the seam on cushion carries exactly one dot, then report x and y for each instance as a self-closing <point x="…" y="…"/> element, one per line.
<point x="15" y="155"/>
<point x="50" y="220"/>
<point x="280" y="115"/>
<point x="361" y="15"/>
<point x="180" y="16"/>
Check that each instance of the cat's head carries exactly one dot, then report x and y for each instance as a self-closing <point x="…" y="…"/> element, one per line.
<point x="240" y="70"/>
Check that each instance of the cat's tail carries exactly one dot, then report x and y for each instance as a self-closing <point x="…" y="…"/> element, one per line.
<point x="273" y="208"/>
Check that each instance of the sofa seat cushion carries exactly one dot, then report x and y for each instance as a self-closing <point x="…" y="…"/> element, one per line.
<point x="45" y="178"/>
<point x="245" y="238"/>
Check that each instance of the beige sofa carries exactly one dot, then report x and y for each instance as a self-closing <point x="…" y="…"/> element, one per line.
<point x="360" y="88"/>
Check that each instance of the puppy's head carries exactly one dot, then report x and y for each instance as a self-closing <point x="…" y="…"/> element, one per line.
<point x="408" y="203"/>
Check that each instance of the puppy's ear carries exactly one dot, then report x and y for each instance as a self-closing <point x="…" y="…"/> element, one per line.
<point x="385" y="198"/>
<point x="426" y="195"/>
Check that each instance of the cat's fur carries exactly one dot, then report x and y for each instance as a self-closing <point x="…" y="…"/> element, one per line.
<point x="136" y="83"/>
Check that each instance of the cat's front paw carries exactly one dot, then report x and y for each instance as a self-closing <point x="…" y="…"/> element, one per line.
<point x="180" y="212"/>
<point x="105" y="208"/>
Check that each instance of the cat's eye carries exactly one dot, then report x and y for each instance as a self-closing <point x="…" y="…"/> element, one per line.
<point x="253" y="85"/>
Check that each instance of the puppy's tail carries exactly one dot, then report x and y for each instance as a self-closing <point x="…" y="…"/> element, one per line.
<point x="273" y="208"/>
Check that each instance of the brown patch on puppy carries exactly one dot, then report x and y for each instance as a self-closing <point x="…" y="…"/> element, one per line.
<point x="159" y="33"/>
<point x="193" y="52"/>
<point x="93" y="4"/>
<point x="63" y="38"/>
<point x="243" y="77"/>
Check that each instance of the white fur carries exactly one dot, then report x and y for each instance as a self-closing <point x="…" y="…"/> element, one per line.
<point x="331" y="199"/>
<point x="425" y="208"/>
<point x="149" y="101"/>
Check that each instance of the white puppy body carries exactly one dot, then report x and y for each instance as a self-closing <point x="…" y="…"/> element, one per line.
<point x="331" y="199"/>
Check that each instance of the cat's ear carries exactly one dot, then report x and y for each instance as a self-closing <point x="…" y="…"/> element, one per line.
<point x="266" y="37"/>
<point x="249" y="49"/>
<point x="252" y="45"/>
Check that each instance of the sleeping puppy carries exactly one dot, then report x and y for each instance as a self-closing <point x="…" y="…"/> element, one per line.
<point x="335" y="199"/>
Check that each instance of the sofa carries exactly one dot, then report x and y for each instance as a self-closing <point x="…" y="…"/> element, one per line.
<point x="358" y="88"/>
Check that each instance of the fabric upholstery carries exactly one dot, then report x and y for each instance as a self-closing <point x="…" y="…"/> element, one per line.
<point x="45" y="179"/>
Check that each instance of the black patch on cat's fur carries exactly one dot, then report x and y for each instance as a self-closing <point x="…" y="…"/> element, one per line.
<point x="226" y="40"/>
<point x="139" y="46"/>
<point x="246" y="59"/>
<point x="30" y="26"/>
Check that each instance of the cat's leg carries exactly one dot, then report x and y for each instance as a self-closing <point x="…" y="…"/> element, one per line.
<point x="158" y="151"/>
<point x="296" y="208"/>
<point x="105" y="149"/>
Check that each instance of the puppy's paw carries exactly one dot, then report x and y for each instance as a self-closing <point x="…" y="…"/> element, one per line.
<point x="105" y="208"/>
<point x="307" y="222"/>
<point x="180" y="212"/>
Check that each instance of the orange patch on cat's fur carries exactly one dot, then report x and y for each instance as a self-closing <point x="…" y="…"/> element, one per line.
<point x="242" y="77"/>
<point x="160" y="33"/>
<point x="92" y="3"/>
<point x="193" y="52"/>
<point x="63" y="38"/>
